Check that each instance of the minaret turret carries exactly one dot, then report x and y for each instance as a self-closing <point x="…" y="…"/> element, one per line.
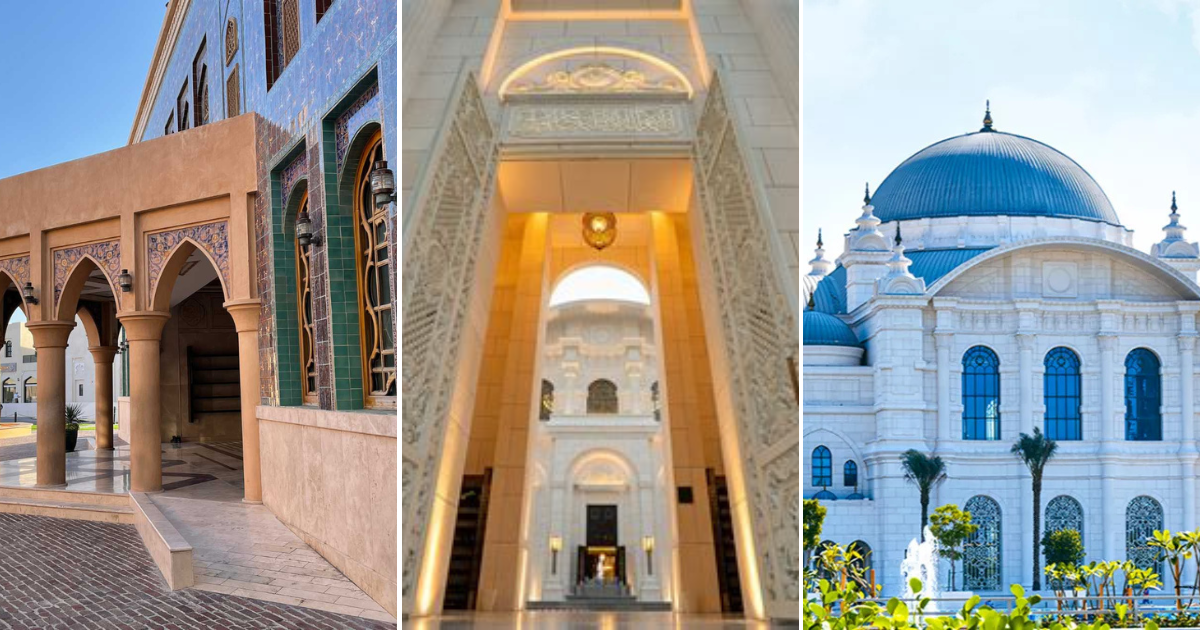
<point x="866" y="256"/>
<point x="820" y="266"/>
<point x="1174" y="249"/>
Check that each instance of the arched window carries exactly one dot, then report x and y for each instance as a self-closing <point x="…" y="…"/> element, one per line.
<point x="547" y="404"/>
<point x="200" y="85"/>
<point x="233" y="94"/>
<point x="181" y="105"/>
<point x="863" y="562"/>
<point x="656" y="401"/>
<point x="231" y="40"/>
<point x="374" y="280"/>
<point x="1143" y="396"/>
<point x="1064" y="512"/>
<point x="322" y="7"/>
<point x="822" y="467"/>
<point x="981" y="552"/>
<point x="8" y="349"/>
<point x="599" y="282"/>
<point x="1062" y="390"/>
<point x="602" y="397"/>
<point x="850" y="474"/>
<point x="9" y="390"/>
<point x="31" y="389"/>
<point x="981" y="394"/>
<point x="304" y="305"/>
<point x="1143" y="516"/>
<point x="290" y="27"/>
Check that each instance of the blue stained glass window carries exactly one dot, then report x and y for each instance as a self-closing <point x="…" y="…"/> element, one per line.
<point x="1061" y="388"/>
<point x="1143" y="396"/>
<point x="850" y="474"/>
<point x="822" y="467"/>
<point x="981" y="394"/>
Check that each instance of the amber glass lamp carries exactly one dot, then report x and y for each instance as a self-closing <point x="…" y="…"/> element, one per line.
<point x="599" y="229"/>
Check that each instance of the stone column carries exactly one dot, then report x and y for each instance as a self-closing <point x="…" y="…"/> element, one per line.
<point x="245" y="315"/>
<point x="1187" y="450"/>
<point x="1025" y="342"/>
<point x="944" y="419"/>
<point x="103" y="356"/>
<point x="1112" y="526"/>
<point x="143" y="331"/>
<point x="50" y="342"/>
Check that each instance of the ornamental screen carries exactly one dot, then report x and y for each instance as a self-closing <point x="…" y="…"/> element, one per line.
<point x="375" y="280"/>
<point x="981" y="552"/>
<point x="1064" y="512"/>
<point x="546" y="408"/>
<point x="1143" y="517"/>
<point x="981" y="394"/>
<point x="822" y="467"/>
<point x="1062" y="388"/>
<point x="1143" y="396"/>
<point x="304" y="294"/>
<point x="602" y="397"/>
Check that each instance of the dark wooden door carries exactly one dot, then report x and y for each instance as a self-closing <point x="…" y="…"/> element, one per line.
<point x="602" y="525"/>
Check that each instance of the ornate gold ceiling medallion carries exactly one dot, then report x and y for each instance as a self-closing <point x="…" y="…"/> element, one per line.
<point x="599" y="78"/>
<point x="599" y="229"/>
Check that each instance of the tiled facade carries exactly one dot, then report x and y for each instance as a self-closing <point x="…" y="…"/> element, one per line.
<point x="340" y="83"/>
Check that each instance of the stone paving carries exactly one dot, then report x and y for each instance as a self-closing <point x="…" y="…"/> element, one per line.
<point x="579" y="620"/>
<point x="58" y="573"/>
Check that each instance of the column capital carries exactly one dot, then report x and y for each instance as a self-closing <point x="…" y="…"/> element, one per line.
<point x="103" y="354"/>
<point x="245" y="313"/>
<point x="51" y="334"/>
<point x="1187" y="341"/>
<point x="143" y="325"/>
<point x="1025" y="340"/>
<point x="1108" y="340"/>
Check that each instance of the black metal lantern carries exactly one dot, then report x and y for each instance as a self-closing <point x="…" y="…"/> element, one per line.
<point x="304" y="231"/>
<point x="383" y="183"/>
<point x="27" y="293"/>
<point x="125" y="281"/>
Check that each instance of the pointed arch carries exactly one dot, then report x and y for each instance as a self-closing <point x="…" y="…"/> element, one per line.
<point x="68" y="294"/>
<point x="168" y="275"/>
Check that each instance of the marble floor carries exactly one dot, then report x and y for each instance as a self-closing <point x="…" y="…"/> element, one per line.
<point x="238" y="548"/>
<point x="572" y="620"/>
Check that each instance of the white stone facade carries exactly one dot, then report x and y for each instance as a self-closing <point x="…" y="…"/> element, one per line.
<point x="1040" y="283"/>
<point x="19" y="368"/>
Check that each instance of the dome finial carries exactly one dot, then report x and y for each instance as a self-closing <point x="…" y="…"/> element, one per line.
<point x="867" y="195"/>
<point x="898" y="239"/>
<point x="987" y="117"/>
<point x="1173" y="206"/>
<point x="812" y="303"/>
<point x="820" y="243"/>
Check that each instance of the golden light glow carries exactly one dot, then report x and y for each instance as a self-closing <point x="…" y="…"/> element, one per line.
<point x="428" y="581"/>
<point x="599" y="229"/>
<point x="648" y="543"/>
<point x="556" y="543"/>
<point x="596" y="50"/>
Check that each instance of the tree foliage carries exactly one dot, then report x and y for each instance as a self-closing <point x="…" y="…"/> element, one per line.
<point x="951" y="527"/>
<point x="1063" y="546"/>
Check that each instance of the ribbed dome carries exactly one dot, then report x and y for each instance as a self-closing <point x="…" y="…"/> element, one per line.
<point x="823" y="329"/>
<point x="989" y="173"/>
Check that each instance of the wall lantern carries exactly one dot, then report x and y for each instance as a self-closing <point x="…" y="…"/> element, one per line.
<point x="599" y="229"/>
<point x="304" y="231"/>
<point x="555" y="547"/>
<point x="383" y="183"/>
<point x="27" y="293"/>
<point x="648" y="547"/>
<point x="125" y="281"/>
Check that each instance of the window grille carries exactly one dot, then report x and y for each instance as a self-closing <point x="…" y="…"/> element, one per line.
<point x="602" y="397"/>
<point x="1062" y="389"/>
<point x="981" y="552"/>
<point x="375" y="281"/>
<point x="1143" y="396"/>
<point x="981" y="394"/>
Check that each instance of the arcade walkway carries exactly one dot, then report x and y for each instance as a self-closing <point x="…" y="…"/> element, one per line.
<point x="238" y="548"/>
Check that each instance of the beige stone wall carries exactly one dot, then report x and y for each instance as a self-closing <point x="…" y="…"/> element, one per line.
<point x="331" y="478"/>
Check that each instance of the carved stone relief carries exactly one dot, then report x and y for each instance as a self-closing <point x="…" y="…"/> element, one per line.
<point x="597" y="78"/>
<point x="589" y="120"/>
<point x="106" y="255"/>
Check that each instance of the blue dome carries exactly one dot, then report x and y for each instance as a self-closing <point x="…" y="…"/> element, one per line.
<point x="989" y="173"/>
<point x="823" y="329"/>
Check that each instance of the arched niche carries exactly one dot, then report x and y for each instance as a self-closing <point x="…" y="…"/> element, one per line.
<point x="593" y="70"/>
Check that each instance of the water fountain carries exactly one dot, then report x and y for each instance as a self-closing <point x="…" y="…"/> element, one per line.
<point x="921" y="561"/>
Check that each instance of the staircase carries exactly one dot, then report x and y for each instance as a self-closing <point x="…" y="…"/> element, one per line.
<point x="84" y="506"/>
<point x="605" y="597"/>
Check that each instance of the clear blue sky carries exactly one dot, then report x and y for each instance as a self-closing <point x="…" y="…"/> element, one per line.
<point x="71" y="74"/>
<point x="1115" y="84"/>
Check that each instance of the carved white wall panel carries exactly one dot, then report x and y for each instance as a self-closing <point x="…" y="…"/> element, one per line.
<point x="617" y="120"/>
<point x="758" y="335"/>
<point x="441" y="251"/>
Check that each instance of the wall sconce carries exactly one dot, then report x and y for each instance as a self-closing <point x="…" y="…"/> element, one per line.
<point x="648" y="547"/>
<point x="125" y="281"/>
<point x="304" y="231"/>
<point x="555" y="547"/>
<point x="599" y="229"/>
<point x="383" y="183"/>
<point x="27" y="293"/>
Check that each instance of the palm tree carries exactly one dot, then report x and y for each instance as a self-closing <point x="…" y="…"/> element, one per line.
<point x="1035" y="450"/>
<point x="926" y="472"/>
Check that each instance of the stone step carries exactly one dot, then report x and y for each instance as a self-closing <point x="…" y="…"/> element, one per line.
<point x="72" y="509"/>
<point x="604" y="604"/>
<point x="65" y="495"/>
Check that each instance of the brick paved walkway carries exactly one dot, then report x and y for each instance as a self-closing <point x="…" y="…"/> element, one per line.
<point x="58" y="573"/>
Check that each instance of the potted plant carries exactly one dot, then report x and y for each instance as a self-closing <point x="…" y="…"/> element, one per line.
<point x="73" y="414"/>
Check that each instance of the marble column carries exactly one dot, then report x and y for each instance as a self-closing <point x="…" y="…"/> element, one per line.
<point x="50" y="342"/>
<point x="1025" y="343"/>
<point x="1187" y="450"/>
<point x="944" y="419"/>
<point x="143" y="331"/>
<point x="245" y="315"/>
<point x="103" y="356"/>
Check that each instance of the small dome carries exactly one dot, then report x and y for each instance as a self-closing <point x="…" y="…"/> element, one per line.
<point x="823" y="329"/>
<point x="989" y="173"/>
